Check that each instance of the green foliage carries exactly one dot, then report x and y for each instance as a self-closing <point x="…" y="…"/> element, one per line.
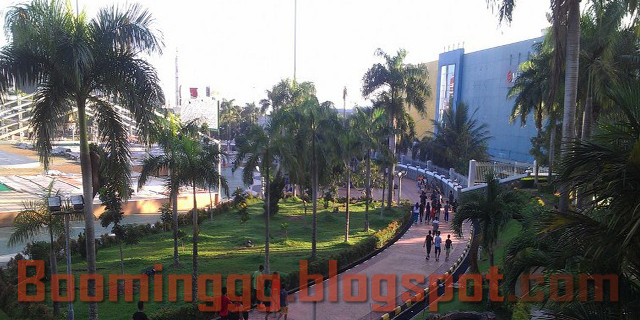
<point x="82" y="245"/>
<point x="276" y="192"/>
<point x="14" y="309"/>
<point x="166" y="216"/>
<point x="189" y="311"/>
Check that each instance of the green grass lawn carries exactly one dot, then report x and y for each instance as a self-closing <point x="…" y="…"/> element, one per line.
<point x="222" y="251"/>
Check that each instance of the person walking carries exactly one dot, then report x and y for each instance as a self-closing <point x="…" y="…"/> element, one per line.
<point x="428" y="242"/>
<point x="224" y="304"/>
<point x="254" y="282"/>
<point x="437" y="242"/>
<point x="415" y="212"/>
<point x="454" y="205"/>
<point x="447" y="247"/>
<point x="427" y="213"/>
<point x="450" y="196"/>
<point x="446" y="211"/>
<point x="436" y="225"/>
<point x="422" y="215"/>
<point x="284" y="304"/>
<point x="140" y="315"/>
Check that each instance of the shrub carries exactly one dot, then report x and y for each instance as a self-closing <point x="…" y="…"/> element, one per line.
<point x="82" y="245"/>
<point x="189" y="311"/>
<point x="166" y="216"/>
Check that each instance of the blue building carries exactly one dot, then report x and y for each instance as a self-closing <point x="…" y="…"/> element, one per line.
<point x="482" y="80"/>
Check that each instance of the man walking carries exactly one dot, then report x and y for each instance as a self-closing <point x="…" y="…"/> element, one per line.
<point x="447" y="247"/>
<point x="437" y="242"/>
<point x="428" y="242"/>
<point x="446" y="211"/>
<point x="254" y="282"/>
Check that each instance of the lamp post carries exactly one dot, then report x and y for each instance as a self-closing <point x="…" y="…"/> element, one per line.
<point x="400" y="175"/>
<point x="55" y="206"/>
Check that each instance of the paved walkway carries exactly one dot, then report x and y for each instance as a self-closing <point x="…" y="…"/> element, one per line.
<point x="406" y="256"/>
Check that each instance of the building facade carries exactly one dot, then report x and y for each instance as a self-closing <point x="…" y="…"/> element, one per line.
<point x="482" y="80"/>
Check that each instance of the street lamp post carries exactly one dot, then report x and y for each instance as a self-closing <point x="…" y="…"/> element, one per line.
<point x="55" y="206"/>
<point x="400" y="175"/>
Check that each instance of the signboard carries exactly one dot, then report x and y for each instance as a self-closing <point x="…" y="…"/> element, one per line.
<point x="203" y="110"/>
<point x="447" y="88"/>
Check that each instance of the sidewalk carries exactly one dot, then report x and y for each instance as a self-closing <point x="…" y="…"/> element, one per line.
<point x="406" y="256"/>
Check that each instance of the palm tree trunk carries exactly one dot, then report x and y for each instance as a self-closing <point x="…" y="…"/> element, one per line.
<point x="552" y="149"/>
<point x="367" y="193"/>
<point x="473" y="252"/>
<point x="346" y="223"/>
<point x="267" y="216"/>
<point x="585" y="135"/>
<point x="392" y="167"/>
<point x="314" y="199"/>
<point x="491" y="257"/>
<point x="174" y="200"/>
<point x="194" y="290"/>
<point x="571" y="89"/>
<point x="54" y="266"/>
<point x="121" y="256"/>
<point x="87" y="191"/>
<point x="384" y="185"/>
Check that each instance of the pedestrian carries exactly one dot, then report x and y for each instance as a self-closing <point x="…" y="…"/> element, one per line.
<point x="455" y="205"/>
<point x="446" y="211"/>
<point x="422" y="208"/>
<point x="447" y="247"/>
<point x="224" y="304"/>
<point x="433" y="212"/>
<point x="437" y="242"/>
<point x="267" y="296"/>
<point x="450" y="196"/>
<point x="436" y="225"/>
<point x="427" y="211"/>
<point x="140" y="315"/>
<point x="415" y="212"/>
<point x="284" y="304"/>
<point x="254" y="282"/>
<point x="428" y="242"/>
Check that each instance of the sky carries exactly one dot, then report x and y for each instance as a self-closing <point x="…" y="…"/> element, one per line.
<point x="241" y="48"/>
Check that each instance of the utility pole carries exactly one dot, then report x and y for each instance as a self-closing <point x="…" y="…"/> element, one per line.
<point x="295" y="35"/>
<point x="177" y="82"/>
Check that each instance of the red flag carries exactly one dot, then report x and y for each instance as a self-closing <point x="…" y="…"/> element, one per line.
<point x="194" y="92"/>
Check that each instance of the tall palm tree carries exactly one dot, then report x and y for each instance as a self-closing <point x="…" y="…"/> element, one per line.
<point x="166" y="135"/>
<point x="603" y="237"/>
<point x="33" y="220"/>
<point x="197" y="167"/>
<point x="405" y="85"/>
<point x="459" y="137"/>
<point x="491" y="207"/>
<point x="260" y="148"/>
<point x="347" y="148"/>
<point x="287" y="93"/>
<point x="83" y="64"/>
<point x="564" y="14"/>
<point x="368" y="123"/>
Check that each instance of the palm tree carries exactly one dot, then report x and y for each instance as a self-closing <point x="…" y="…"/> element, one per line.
<point x="564" y="14"/>
<point x="405" y="86"/>
<point x="347" y="148"/>
<point x="197" y="167"/>
<point x="287" y="93"/>
<point x="166" y="135"/>
<point x="32" y="221"/>
<point x="458" y="138"/>
<point x="491" y="208"/>
<point x="368" y="123"/>
<point x="259" y="148"/>
<point x="605" y="167"/>
<point x="86" y="64"/>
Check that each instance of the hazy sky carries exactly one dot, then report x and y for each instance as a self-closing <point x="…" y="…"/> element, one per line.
<point x="242" y="47"/>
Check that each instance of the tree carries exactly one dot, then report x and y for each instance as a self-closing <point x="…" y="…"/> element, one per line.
<point x="458" y="138"/>
<point x="84" y="64"/>
<point x="564" y="14"/>
<point x="605" y="167"/>
<point x="491" y="207"/>
<point x="368" y="124"/>
<point x="33" y="220"/>
<point x="259" y="149"/>
<point x="404" y="86"/>
<point x="347" y="149"/>
<point x="197" y="167"/>
<point x="166" y="134"/>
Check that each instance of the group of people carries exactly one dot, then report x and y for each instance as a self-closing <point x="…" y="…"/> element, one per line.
<point x="426" y="212"/>
<point x="436" y="242"/>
